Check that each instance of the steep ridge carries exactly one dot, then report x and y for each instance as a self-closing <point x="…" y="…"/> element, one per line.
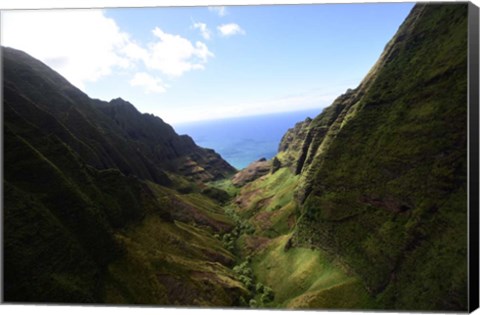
<point x="105" y="135"/>
<point x="383" y="169"/>
<point x="84" y="222"/>
<point x="368" y="209"/>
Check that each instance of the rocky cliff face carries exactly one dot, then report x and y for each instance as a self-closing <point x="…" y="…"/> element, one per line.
<point x="105" y="135"/>
<point x="383" y="169"/>
<point x="251" y="172"/>
<point x="293" y="144"/>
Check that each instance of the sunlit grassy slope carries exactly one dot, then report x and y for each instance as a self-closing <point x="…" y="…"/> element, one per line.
<point x="299" y="277"/>
<point x="307" y="278"/>
<point x="171" y="263"/>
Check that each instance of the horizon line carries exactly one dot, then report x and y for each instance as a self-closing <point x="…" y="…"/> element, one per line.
<point x="184" y="122"/>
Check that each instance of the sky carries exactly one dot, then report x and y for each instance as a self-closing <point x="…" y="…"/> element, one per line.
<point x="201" y="63"/>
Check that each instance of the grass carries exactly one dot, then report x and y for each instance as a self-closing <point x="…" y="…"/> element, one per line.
<point x="193" y="208"/>
<point x="302" y="278"/>
<point x="299" y="277"/>
<point x="277" y="215"/>
<point x="226" y="185"/>
<point x="174" y="264"/>
<point x="350" y="294"/>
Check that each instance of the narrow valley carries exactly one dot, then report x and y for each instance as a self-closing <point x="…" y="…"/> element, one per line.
<point x="363" y="207"/>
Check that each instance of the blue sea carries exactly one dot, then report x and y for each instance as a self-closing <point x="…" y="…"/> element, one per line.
<point x="243" y="140"/>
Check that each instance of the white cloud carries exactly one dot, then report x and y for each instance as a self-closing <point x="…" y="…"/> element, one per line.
<point x="82" y="45"/>
<point x="220" y="10"/>
<point x="230" y="29"/>
<point x="204" y="31"/>
<point x="174" y="55"/>
<point x="151" y="84"/>
<point x="133" y="51"/>
<point x="85" y="45"/>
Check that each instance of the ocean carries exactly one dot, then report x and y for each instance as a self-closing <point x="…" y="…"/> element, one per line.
<point x="240" y="141"/>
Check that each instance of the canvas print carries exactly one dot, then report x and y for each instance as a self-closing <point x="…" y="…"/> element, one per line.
<point x="269" y="156"/>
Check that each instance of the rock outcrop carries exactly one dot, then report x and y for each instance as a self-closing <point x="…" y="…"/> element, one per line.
<point x="251" y="172"/>
<point x="292" y="143"/>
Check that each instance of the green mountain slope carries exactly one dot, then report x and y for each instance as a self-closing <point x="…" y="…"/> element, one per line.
<point x="105" y="135"/>
<point x="384" y="169"/>
<point x="76" y="234"/>
<point x="85" y="222"/>
<point x="369" y="207"/>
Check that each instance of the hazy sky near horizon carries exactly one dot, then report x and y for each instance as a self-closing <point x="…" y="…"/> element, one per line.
<point x="198" y="63"/>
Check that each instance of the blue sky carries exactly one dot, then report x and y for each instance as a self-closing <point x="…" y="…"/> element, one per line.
<point x="198" y="63"/>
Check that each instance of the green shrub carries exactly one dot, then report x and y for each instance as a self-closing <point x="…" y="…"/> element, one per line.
<point x="267" y="295"/>
<point x="242" y="301"/>
<point x="259" y="288"/>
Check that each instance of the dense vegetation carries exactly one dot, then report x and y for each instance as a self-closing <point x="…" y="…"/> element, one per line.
<point x="364" y="206"/>
<point x="387" y="187"/>
<point x="100" y="204"/>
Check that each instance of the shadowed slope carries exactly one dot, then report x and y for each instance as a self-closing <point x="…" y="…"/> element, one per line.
<point x="105" y="135"/>
<point x="84" y="221"/>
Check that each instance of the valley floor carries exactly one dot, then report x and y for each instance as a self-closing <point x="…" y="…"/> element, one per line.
<point x="265" y="214"/>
